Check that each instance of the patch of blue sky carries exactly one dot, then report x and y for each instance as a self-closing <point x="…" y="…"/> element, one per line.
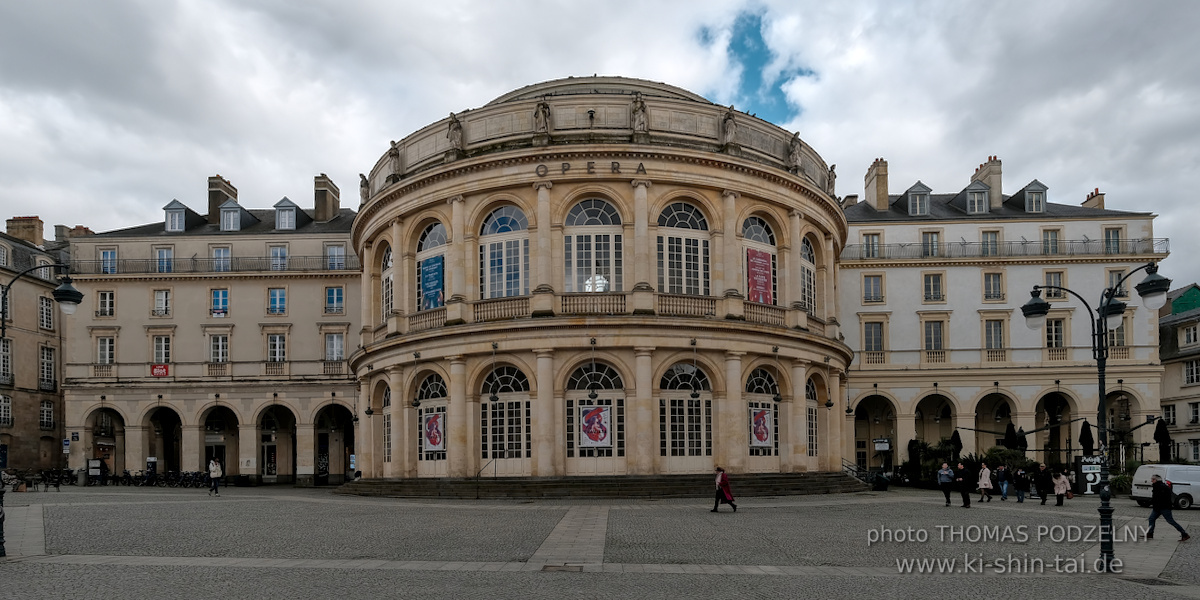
<point x="761" y="72"/>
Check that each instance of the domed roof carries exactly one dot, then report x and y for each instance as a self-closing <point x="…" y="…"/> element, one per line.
<point x="598" y="85"/>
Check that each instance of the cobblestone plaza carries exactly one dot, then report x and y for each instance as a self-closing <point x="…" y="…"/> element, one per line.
<point x="307" y="543"/>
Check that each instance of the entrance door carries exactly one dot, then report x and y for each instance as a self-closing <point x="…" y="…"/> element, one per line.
<point x="507" y="438"/>
<point x="685" y="434"/>
<point x="322" y="476"/>
<point x="595" y="435"/>
<point x="270" y="462"/>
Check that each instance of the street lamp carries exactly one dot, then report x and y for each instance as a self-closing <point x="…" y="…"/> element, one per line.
<point x="1153" y="291"/>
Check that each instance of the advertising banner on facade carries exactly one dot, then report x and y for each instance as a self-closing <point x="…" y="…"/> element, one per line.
<point x="758" y="276"/>
<point x="160" y="370"/>
<point x="594" y="427"/>
<point x="761" y="434"/>
<point x="435" y="436"/>
<point x="432" y="282"/>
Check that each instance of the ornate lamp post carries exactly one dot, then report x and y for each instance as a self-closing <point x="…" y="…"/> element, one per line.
<point x="1153" y="291"/>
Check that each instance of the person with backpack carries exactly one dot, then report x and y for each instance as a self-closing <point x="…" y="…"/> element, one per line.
<point x="214" y="475"/>
<point x="1161" y="503"/>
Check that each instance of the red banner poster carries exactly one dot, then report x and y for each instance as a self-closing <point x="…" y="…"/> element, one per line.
<point x="758" y="276"/>
<point x="160" y="370"/>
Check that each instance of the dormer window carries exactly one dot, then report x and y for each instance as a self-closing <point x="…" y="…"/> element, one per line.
<point x="977" y="202"/>
<point x="918" y="205"/>
<point x="285" y="218"/>
<point x="174" y="221"/>
<point x="1035" y="202"/>
<point x="230" y="219"/>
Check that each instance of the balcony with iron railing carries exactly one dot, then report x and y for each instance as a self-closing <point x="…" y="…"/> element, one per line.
<point x="6" y="379"/>
<point x="237" y="264"/>
<point x="160" y="312"/>
<point x="993" y="296"/>
<point x="944" y="250"/>
<point x="47" y="385"/>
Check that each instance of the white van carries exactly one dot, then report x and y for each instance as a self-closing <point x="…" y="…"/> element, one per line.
<point x="1185" y="483"/>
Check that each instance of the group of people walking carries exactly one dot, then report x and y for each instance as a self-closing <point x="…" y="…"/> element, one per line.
<point x="962" y="479"/>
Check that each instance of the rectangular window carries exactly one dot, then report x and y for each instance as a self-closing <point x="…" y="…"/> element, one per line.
<point x="276" y="301"/>
<point x="1054" y="333"/>
<point x="162" y="349"/>
<point x="873" y="288"/>
<point x="812" y="431"/>
<point x="1116" y="337"/>
<point x="45" y="313"/>
<point x="977" y="202"/>
<point x="174" y="221"/>
<point x="106" y="349"/>
<point x="1035" y="202"/>
<point x="220" y="302"/>
<point x="1114" y="276"/>
<point x="1054" y="279"/>
<point x="334" y="301"/>
<point x="231" y="220"/>
<point x="218" y="348"/>
<point x="6" y="360"/>
<point x="1191" y="372"/>
<point x="6" y="417"/>
<point x="162" y="303"/>
<point x="276" y="347"/>
<point x="1195" y="406"/>
<point x="335" y="348"/>
<point x="164" y="260"/>
<point x="335" y="257"/>
<point x="993" y="334"/>
<point x="989" y="242"/>
<point x="933" y="335"/>
<point x="1112" y="240"/>
<point x="46" y="369"/>
<point x="1189" y="334"/>
<point x="387" y="295"/>
<point x="929" y="244"/>
<point x="1050" y="241"/>
<point x="221" y="260"/>
<point x="870" y="245"/>
<point x="933" y="287"/>
<point x="46" y="415"/>
<point x="993" y="286"/>
<point x="108" y="261"/>
<point x="873" y="337"/>
<point x="1168" y="414"/>
<point x="285" y="218"/>
<point x="279" y="258"/>
<point x="918" y="204"/>
<point x="106" y="304"/>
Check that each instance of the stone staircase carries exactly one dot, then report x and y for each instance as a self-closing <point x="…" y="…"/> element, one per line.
<point x="625" y="486"/>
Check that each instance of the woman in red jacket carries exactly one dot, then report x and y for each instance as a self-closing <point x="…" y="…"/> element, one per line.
<point x="724" y="493"/>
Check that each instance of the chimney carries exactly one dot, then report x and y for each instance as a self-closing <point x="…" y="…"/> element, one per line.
<point x="1095" y="199"/>
<point x="219" y="192"/>
<point x="61" y="233"/>
<point x="80" y="231"/>
<point x="989" y="174"/>
<point x="849" y="200"/>
<point x="26" y="228"/>
<point x="326" y="203"/>
<point x="877" y="185"/>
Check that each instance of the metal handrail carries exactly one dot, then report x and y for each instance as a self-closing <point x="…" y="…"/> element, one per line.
<point x="1141" y="247"/>
<point x="236" y="264"/>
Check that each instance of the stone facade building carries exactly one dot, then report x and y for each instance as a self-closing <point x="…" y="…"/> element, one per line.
<point x="1179" y="330"/>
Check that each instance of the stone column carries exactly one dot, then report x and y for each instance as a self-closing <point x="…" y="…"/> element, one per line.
<point x="642" y="257"/>
<point x="792" y="260"/>
<point x="248" y="441"/>
<point x="457" y="252"/>
<point x="365" y="434"/>
<point x="136" y="446"/>
<point x="644" y="438"/>
<point x="403" y="275"/>
<point x="457" y="447"/>
<point x="404" y="448"/>
<point x="544" y="415"/>
<point x="826" y="277"/>
<point x="734" y="435"/>
<point x="306" y="453"/>
<point x="367" y="295"/>
<point x="732" y="251"/>
<point x="839" y="431"/>
<point x="798" y="434"/>
<point x="542" y="279"/>
<point x="191" y="456"/>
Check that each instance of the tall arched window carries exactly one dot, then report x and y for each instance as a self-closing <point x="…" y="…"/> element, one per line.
<point x="505" y="425"/>
<point x="592" y="248"/>
<point x="762" y="399"/>
<point x="810" y="405"/>
<point x="761" y="280"/>
<point x="504" y="254"/>
<point x="431" y="267"/>
<point x="808" y="278"/>
<point x="431" y="420"/>
<point x="595" y="412"/>
<point x="387" y="285"/>
<point x="387" y="424"/>
<point x="683" y="255"/>
<point x="685" y="412"/>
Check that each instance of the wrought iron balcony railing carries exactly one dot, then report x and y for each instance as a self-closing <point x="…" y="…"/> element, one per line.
<point x="916" y="250"/>
<point x="236" y="264"/>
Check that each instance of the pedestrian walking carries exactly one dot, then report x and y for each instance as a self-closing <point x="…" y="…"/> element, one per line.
<point x="966" y="485"/>
<point x="985" y="482"/>
<point x="1161" y="502"/>
<point x="214" y="475"/>
<point x="946" y="481"/>
<point x="1021" y="484"/>
<point x="1061" y="486"/>
<point x="1002" y="480"/>
<point x="1043" y="480"/>
<point x="724" y="492"/>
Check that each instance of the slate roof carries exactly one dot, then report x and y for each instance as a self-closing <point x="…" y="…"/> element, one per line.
<point x="342" y="223"/>
<point x="943" y="208"/>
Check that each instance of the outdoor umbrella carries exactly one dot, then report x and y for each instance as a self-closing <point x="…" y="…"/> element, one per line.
<point x="1163" y="437"/>
<point x="1085" y="439"/>
<point x="1010" y="437"/>
<point x="956" y="442"/>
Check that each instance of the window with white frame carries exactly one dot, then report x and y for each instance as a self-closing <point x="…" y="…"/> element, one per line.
<point x="593" y="248"/>
<point x="1195" y="449"/>
<point x="431" y="267"/>
<point x="231" y="219"/>
<point x="1054" y="279"/>
<point x="6" y="415"/>
<point x="993" y="330"/>
<point x="1168" y="413"/>
<point x="335" y="346"/>
<point x="1114" y="277"/>
<point x="870" y="245"/>
<point x="1191" y="372"/>
<point x="989" y="243"/>
<point x="432" y="396"/>
<point x="683" y="252"/>
<point x="3" y="255"/>
<point x="505" y="430"/>
<point x="335" y="301"/>
<point x="504" y="254"/>
<point x="108" y="261"/>
<point x="6" y="359"/>
<point x="762" y="398"/>
<point x="684" y="420"/>
<point x="810" y="401"/>
<point x="808" y="276"/>
<point x="386" y="285"/>
<point x="162" y="303"/>
<point x="221" y="259"/>
<point x="1050" y="241"/>
<point x="993" y="286"/>
<point x="872" y="288"/>
<point x="1116" y="337"/>
<point x="285" y="218"/>
<point x="276" y="301"/>
<point x="220" y="302"/>
<point x="1055" y="329"/>
<point x="918" y="204"/>
<point x="276" y="347"/>
<point x="45" y="313"/>
<point x="762" y="284"/>
<point x="46" y="366"/>
<point x="335" y="257"/>
<point x="106" y="350"/>
<point x="1112" y="240"/>
<point x="977" y="202"/>
<point x="873" y="336"/>
<point x="279" y="258"/>
<point x="931" y="243"/>
<point x="934" y="331"/>
<point x="933" y="287"/>
<point x="162" y="349"/>
<point x="1190" y="334"/>
<point x="1195" y="409"/>
<point x="106" y="303"/>
<point x="218" y="348"/>
<point x="387" y="425"/>
<point x="1035" y="202"/>
<point x="164" y="260"/>
<point x="175" y="221"/>
<point x="46" y="415"/>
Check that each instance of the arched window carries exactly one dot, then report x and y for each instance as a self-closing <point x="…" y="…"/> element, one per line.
<point x="762" y="399"/>
<point x="431" y="267"/>
<point x="506" y="424"/>
<point x="387" y="285"/>
<point x="387" y="424"/>
<point x="595" y="412"/>
<point x="431" y="419"/>
<point x="761" y="281"/>
<point x="683" y="255"/>
<point x="592" y="248"/>
<point x="810" y="405"/>
<point x="808" y="270"/>
<point x="504" y="254"/>
<point x="684" y="419"/>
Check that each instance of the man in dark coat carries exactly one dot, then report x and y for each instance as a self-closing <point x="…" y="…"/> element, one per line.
<point x="1162" y="502"/>
<point x="1021" y="482"/>
<point x="964" y="479"/>
<point x="1044" y="480"/>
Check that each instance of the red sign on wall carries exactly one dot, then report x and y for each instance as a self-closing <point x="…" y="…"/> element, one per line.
<point x="160" y="370"/>
<point x="758" y="276"/>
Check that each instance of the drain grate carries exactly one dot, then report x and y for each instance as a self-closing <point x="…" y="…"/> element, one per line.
<point x="1152" y="581"/>
<point x="569" y="568"/>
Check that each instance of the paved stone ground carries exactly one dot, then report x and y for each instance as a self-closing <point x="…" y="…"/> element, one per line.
<point x="302" y="543"/>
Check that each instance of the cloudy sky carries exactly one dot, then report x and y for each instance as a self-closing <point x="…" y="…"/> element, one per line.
<point x="108" y="110"/>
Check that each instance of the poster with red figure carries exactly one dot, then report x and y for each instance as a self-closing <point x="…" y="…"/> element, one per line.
<point x="758" y="276"/>
<point x="760" y="428"/>
<point x="594" y="427"/>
